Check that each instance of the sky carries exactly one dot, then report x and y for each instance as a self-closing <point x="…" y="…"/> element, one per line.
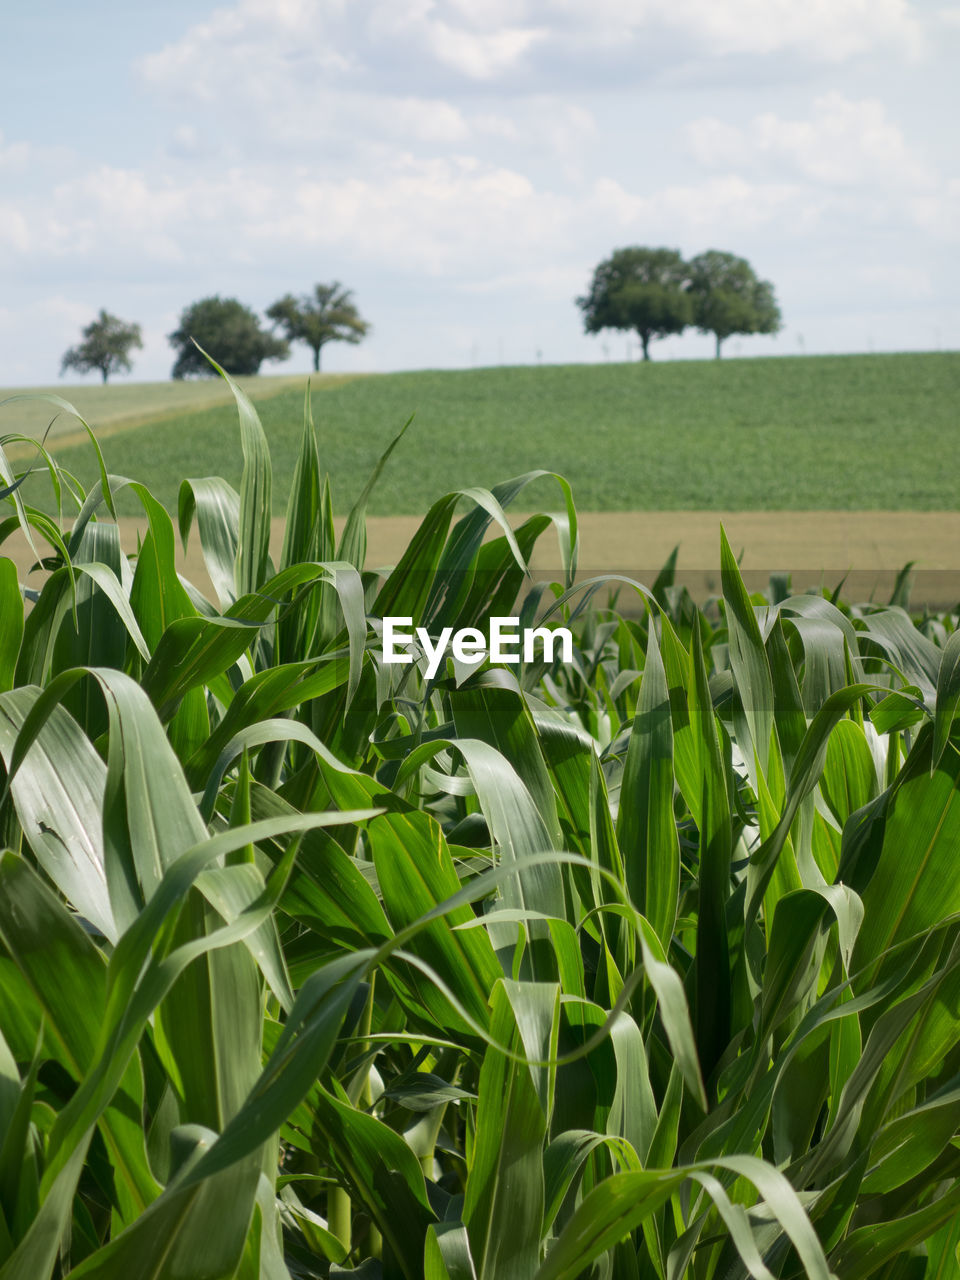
<point x="463" y="165"/>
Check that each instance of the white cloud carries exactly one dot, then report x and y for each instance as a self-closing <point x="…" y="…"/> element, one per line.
<point x="310" y="83"/>
<point x="14" y="156"/>
<point x="455" y="216"/>
<point x="57" y="318"/>
<point x="548" y="283"/>
<point x="186" y="142"/>
<point x="14" y="229"/>
<point x="897" y="280"/>
<point x="422" y="213"/>
<point x="855" y="156"/>
<point x="255" y="34"/>
<point x="449" y="157"/>
<point x="844" y="143"/>
<point x="63" y="312"/>
<point x="118" y="210"/>
<point x="480" y="55"/>
<point x="330" y="80"/>
<point x="728" y="206"/>
<point x="330" y="38"/>
<point x="939" y="213"/>
<point x="828" y="30"/>
<point x="254" y="47"/>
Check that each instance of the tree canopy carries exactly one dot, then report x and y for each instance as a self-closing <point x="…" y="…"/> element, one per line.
<point x="326" y="315"/>
<point x="229" y="332"/>
<point x="639" y="289"/>
<point x="106" y="345"/>
<point x="728" y="298"/>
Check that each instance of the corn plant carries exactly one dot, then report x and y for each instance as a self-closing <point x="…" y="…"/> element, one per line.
<point x="641" y="965"/>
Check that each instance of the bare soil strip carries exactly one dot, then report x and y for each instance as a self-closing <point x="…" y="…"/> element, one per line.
<point x="868" y="548"/>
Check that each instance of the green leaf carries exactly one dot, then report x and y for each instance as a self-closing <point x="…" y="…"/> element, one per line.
<point x="416" y="873"/>
<point x="256" y="507"/>
<point x="326" y="892"/>
<point x="504" y="1199"/>
<point x="633" y="1112"/>
<point x="674" y="1011"/>
<point x="807" y="769"/>
<point x="193" y="652"/>
<point x="301" y="536"/>
<point x="299" y="1056"/>
<point x="646" y="828"/>
<point x="381" y="1173"/>
<point x="19" y="1175"/>
<point x="195" y="1230"/>
<point x="216" y="506"/>
<point x="748" y="658"/>
<point x="59" y="796"/>
<point x="948" y="697"/>
<point x="517" y="830"/>
<point x="11" y="610"/>
<point x="625" y="1200"/>
<point x="353" y="541"/>
<point x="865" y="1250"/>
<point x="447" y="1253"/>
<point x="36" y="1254"/>
<point x="67" y="976"/>
<point x="565" y="1158"/>
<point x="499" y="716"/>
<point x="66" y="407"/>
<point x="849" y="778"/>
<point x="713" y="955"/>
<point x="136" y="988"/>
<point x="913" y="886"/>
<point x="910" y="1144"/>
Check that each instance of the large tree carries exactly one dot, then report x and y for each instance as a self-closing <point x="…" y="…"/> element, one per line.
<point x="106" y="346"/>
<point x="326" y="315"/>
<point x="638" y="289"/>
<point x="228" y="331"/>
<point x="728" y="298"/>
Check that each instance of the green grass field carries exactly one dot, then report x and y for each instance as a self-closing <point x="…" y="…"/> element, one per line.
<point x="840" y="432"/>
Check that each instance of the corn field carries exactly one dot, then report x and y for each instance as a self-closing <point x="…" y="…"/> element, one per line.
<point x="645" y="965"/>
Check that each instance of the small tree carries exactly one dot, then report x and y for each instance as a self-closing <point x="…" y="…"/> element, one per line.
<point x="107" y="343"/>
<point x="326" y="315"/>
<point x="228" y="331"/>
<point x="639" y="289"/>
<point x="728" y="298"/>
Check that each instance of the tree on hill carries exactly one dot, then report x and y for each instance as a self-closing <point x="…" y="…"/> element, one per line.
<point x="229" y="332"/>
<point x="106" y="346"/>
<point x="638" y="289"/>
<point x="326" y="315"/>
<point x="728" y="298"/>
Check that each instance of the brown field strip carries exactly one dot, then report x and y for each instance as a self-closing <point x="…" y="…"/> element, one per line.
<point x="869" y="547"/>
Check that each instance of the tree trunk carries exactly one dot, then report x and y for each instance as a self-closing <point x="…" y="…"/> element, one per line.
<point x="645" y="343"/>
<point x="104" y="372"/>
<point x="719" y="340"/>
<point x="316" y="359"/>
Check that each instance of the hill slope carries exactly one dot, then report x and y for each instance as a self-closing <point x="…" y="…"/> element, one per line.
<point x="845" y="432"/>
<point x="123" y="405"/>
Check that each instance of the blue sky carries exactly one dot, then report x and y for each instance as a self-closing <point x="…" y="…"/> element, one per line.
<point x="463" y="165"/>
